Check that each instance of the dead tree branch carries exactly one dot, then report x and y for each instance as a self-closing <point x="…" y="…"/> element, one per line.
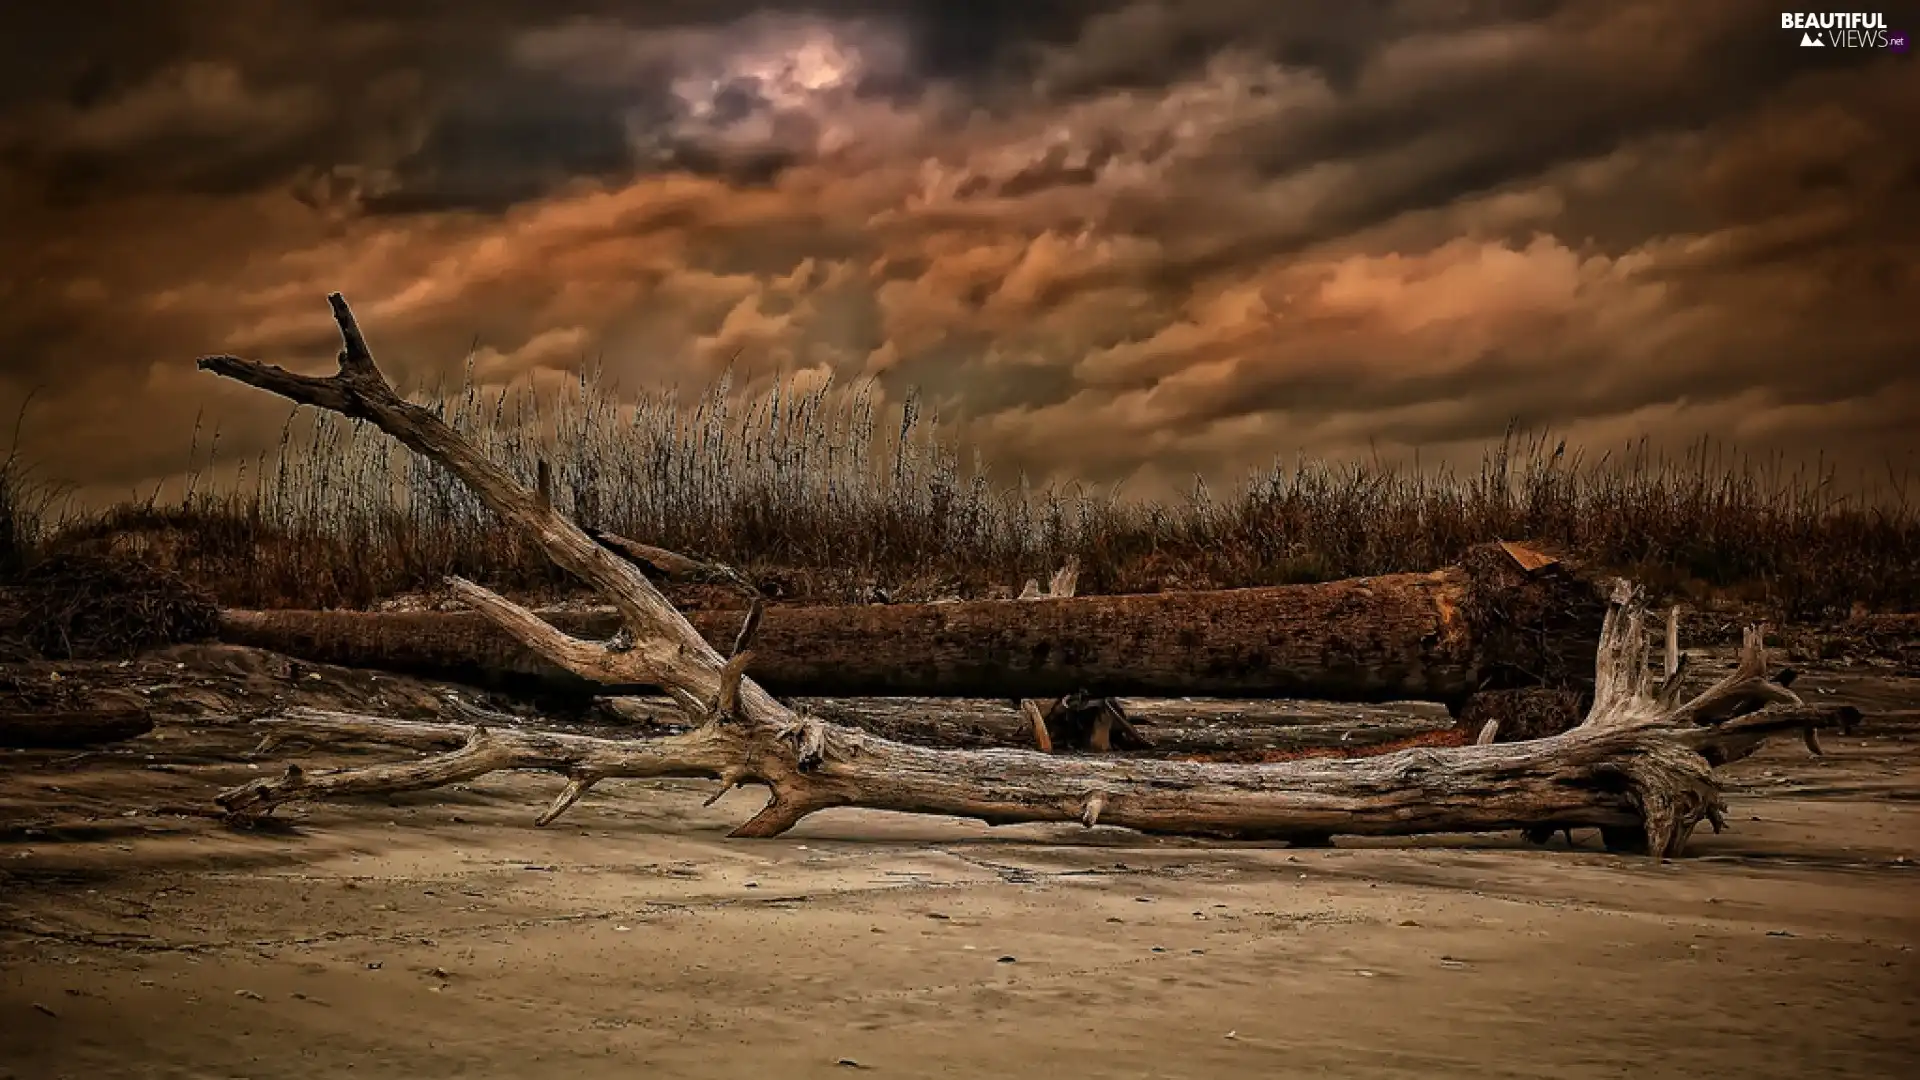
<point x="1640" y="764"/>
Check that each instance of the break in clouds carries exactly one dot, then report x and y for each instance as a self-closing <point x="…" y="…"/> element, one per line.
<point x="1105" y="240"/>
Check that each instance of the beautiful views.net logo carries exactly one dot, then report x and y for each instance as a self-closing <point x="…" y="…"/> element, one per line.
<point x="1844" y="30"/>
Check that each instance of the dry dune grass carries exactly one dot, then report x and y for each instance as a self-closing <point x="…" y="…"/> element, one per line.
<point x="823" y="493"/>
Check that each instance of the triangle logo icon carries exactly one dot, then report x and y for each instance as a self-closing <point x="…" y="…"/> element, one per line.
<point x="1808" y="40"/>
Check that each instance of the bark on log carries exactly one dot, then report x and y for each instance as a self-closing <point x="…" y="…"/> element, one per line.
<point x="1208" y="727"/>
<point x="71" y="729"/>
<point x="1487" y="624"/>
<point x="1211" y="726"/>
<point x="1204" y="731"/>
<point x="1640" y="765"/>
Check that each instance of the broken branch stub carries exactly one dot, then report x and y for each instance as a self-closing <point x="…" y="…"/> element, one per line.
<point x="673" y="566"/>
<point x="1638" y="765"/>
<point x="1076" y="720"/>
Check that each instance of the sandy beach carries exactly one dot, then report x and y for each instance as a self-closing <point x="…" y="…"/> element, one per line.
<point x="441" y="934"/>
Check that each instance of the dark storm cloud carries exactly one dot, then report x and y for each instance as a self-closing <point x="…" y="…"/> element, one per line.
<point x="1152" y="42"/>
<point x="495" y="145"/>
<point x="1436" y="111"/>
<point x="1099" y="236"/>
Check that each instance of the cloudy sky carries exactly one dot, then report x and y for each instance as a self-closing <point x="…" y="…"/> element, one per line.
<point x="1106" y="240"/>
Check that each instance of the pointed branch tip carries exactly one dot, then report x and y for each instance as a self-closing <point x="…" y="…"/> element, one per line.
<point x="727" y="703"/>
<point x="749" y="627"/>
<point x="729" y="780"/>
<point x="569" y="795"/>
<point x="355" y="359"/>
<point x="1037" y="723"/>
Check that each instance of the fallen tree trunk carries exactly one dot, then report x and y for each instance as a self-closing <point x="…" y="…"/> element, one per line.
<point x="1210" y="726"/>
<point x="1640" y="767"/>
<point x="959" y="724"/>
<point x="1645" y="787"/>
<point x="1492" y="622"/>
<point x="71" y="729"/>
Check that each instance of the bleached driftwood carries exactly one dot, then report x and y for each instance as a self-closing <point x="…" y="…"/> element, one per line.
<point x="1640" y="765"/>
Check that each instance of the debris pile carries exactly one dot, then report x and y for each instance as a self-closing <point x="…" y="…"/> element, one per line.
<point x="89" y="607"/>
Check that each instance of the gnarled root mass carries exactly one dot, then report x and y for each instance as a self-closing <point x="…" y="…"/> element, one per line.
<point x="1640" y="765"/>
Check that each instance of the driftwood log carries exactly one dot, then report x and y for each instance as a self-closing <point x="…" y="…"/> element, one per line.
<point x="1504" y="618"/>
<point x="1214" y="733"/>
<point x="1640" y="766"/>
<point x="1161" y="726"/>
